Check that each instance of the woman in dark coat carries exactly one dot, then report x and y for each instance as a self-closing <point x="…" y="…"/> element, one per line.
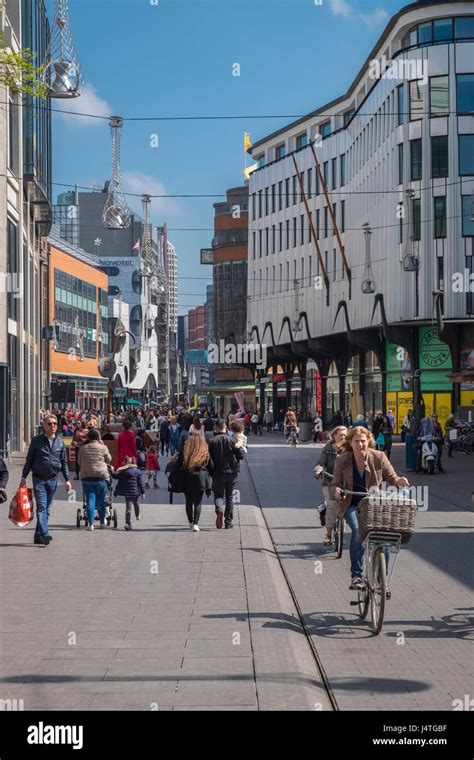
<point x="198" y="464"/>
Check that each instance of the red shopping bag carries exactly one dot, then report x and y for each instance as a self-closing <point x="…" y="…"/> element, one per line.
<point x="21" y="507"/>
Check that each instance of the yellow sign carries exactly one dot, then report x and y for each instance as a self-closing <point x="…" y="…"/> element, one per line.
<point x="467" y="398"/>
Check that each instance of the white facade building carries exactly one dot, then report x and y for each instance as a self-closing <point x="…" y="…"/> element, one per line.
<point x="408" y="130"/>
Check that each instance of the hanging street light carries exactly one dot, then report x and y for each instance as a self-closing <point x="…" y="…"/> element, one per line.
<point x="411" y="259"/>
<point x="368" y="279"/>
<point x="62" y="72"/>
<point x="116" y="215"/>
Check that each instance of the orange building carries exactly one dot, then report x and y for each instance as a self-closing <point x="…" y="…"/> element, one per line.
<point x="79" y="313"/>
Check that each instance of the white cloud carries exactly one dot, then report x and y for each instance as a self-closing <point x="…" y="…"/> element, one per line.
<point x="375" y="18"/>
<point x="88" y="102"/>
<point x="342" y="8"/>
<point x="137" y="182"/>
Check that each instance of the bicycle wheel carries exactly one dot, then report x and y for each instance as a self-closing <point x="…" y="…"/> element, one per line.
<point x="378" y="591"/>
<point x="363" y="599"/>
<point x="339" y="536"/>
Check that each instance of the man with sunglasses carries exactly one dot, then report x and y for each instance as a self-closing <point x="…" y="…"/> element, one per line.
<point x="45" y="459"/>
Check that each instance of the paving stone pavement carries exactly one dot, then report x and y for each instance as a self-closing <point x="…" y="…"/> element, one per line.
<point x="158" y="618"/>
<point x="423" y="659"/>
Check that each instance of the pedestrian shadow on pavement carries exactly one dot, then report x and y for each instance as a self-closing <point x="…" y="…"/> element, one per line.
<point x="383" y="685"/>
<point x="450" y="626"/>
<point x="334" y="623"/>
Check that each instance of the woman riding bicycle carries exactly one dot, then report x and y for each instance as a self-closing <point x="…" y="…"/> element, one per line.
<point x="327" y="461"/>
<point x="359" y="469"/>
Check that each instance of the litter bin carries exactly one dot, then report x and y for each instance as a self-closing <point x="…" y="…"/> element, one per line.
<point x="411" y="452"/>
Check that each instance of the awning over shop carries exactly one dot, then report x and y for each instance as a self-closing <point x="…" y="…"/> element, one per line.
<point x="228" y="388"/>
<point x="463" y="376"/>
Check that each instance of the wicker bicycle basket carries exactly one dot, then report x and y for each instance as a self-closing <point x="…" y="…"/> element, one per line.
<point x="387" y="513"/>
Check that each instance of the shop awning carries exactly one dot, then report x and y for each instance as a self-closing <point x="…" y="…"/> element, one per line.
<point x="228" y="388"/>
<point x="463" y="376"/>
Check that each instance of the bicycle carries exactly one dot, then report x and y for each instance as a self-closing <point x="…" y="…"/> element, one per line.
<point x="339" y="527"/>
<point x="379" y="544"/>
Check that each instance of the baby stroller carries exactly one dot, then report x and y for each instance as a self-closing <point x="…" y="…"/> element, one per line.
<point x="110" y="510"/>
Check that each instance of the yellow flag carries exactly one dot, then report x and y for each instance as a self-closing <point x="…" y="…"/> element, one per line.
<point x="246" y="140"/>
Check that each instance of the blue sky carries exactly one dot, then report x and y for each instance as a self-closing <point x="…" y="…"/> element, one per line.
<point x="175" y="59"/>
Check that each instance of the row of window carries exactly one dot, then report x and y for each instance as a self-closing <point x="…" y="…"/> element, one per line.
<point x="440" y="30"/>
<point x="438" y="97"/>
<point x="437" y="105"/>
<point x="439" y="158"/>
<point x="288" y="192"/>
<point x="297" y="231"/>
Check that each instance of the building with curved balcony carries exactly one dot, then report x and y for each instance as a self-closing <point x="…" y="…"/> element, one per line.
<point x="361" y="225"/>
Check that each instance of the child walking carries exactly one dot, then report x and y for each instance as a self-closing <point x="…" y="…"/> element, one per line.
<point x="130" y="485"/>
<point x="152" y="466"/>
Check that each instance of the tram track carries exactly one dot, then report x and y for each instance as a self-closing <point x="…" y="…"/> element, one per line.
<point x="309" y="638"/>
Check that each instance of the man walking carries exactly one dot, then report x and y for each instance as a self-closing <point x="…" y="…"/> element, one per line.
<point x="225" y="457"/>
<point x="45" y="459"/>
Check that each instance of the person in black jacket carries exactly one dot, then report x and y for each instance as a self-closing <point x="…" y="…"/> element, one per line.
<point x="225" y="457"/>
<point x="45" y="459"/>
<point x="3" y="480"/>
<point x="198" y="464"/>
<point x="165" y="436"/>
<point x="130" y="485"/>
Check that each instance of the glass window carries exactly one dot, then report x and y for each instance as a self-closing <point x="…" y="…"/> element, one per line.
<point x="280" y="196"/>
<point x="343" y="169"/>
<point x="318" y="224"/>
<point x="325" y="222"/>
<point x="443" y="29"/>
<point x="348" y="116"/>
<point x="295" y="223"/>
<point x="259" y="203"/>
<point x="302" y="229"/>
<point x="400" y="164"/>
<point x="280" y="151"/>
<point x="318" y="184"/>
<point x="326" y="129"/>
<point x="425" y="33"/>
<point x="287" y="191"/>
<point x="273" y="199"/>
<point x="416" y="160"/>
<point x="266" y="201"/>
<point x="334" y="173"/>
<point x="343" y="216"/>
<point x="464" y="27"/>
<point x="440" y="217"/>
<point x="439" y="157"/>
<point x="467" y="216"/>
<point x="465" y="93"/>
<point x="466" y="155"/>
<point x="261" y="161"/>
<point x="310" y="183"/>
<point x="287" y="234"/>
<point x="326" y="173"/>
<point x="301" y="141"/>
<point x="417" y="219"/>
<point x="295" y="189"/>
<point x="416" y="100"/>
<point x="401" y="104"/>
<point x="439" y="96"/>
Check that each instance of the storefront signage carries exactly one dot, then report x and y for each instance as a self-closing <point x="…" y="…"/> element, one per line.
<point x="435" y="361"/>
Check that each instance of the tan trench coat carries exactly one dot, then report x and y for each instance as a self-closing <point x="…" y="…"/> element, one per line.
<point x="378" y="469"/>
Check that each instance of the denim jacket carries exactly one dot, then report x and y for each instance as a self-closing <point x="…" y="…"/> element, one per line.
<point x="45" y="461"/>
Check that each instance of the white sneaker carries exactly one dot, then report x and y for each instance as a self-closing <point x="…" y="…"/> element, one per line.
<point x="90" y="527"/>
<point x="196" y="528"/>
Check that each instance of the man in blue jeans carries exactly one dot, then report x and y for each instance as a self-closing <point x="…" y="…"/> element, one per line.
<point x="45" y="459"/>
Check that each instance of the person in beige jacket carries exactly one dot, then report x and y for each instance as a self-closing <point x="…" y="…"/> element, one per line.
<point x="359" y="469"/>
<point x="93" y="460"/>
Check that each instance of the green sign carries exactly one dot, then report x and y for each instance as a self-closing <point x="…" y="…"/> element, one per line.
<point x="435" y="361"/>
<point x="399" y="373"/>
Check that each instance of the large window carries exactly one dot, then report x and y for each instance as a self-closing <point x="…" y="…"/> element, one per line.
<point x="301" y="141"/>
<point x="343" y="169"/>
<point x="417" y="219"/>
<point x="334" y="173"/>
<point x="425" y="33"/>
<point x="280" y="151"/>
<point x="416" y="100"/>
<point x="439" y="157"/>
<point x="287" y="192"/>
<point x="401" y="104"/>
<point x="416" y="160"/>
<point x="310" y="183"/>
<point x="464" y="28"/>
<point x="400" y="164"/>
<point x="466" y="155"/>
<point x="443" y="29"/>
<point x="295" y="189"/>
<point x="326" y="173"/>
<point x="467" y="216"/>
<point x="440" y="217"/>
<point x="465" y="93"/>
<point x="439" y="96"/>
<point x="326" y="129"/>
<point x="343" y="216"/>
